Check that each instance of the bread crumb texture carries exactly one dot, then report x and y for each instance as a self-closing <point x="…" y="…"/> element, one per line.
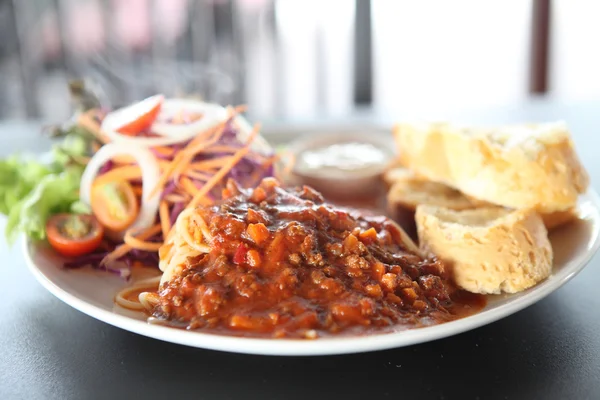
<point x="525" y="166"/>
<point x="489" y="250"/>
<point x="408" y="191"/>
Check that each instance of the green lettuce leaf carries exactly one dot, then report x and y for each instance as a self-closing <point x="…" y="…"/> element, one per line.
<point x="79" y="207"/>
<point x="17" y="178"/>
<point x="31" y="192"/>
<point x="55" y="193"/>
<point x="72" y="145"/>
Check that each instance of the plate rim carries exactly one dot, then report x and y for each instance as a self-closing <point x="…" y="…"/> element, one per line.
<point x="322" y="346"/>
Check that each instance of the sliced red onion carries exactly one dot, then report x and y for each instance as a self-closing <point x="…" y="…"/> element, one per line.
<point x="106" y="167"/>
<point x="150" y="176"/>
<point x="211" y="115"/>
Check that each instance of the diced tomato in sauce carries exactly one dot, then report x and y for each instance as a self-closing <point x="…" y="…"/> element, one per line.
<point x="283" y="263"/>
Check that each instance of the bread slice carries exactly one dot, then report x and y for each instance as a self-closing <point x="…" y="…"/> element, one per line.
<point x="526" y="166"/>
<point x="488" y="250"/>
<point x="559" y="218"/>
<point x="552" y="220"/>
<point x="400" y="174"/>
<point x="408" y="191"/>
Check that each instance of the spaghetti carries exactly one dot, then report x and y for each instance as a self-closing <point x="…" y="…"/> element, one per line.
<point x="190" y="237"/>
<point x="276" y="262"/>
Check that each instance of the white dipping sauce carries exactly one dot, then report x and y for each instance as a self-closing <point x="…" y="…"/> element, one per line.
<point x="341" y="159"/>
<point x="342" y="165"/>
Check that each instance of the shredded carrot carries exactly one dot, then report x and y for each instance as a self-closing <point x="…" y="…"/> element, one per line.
<point x="240" y="109"/>
<point x="190" y="153"/>
<point x="206" y="164"/>
<point x="186" y="155"/>
<point x="255" y="178"/>
<point x="176" y="198"/>
<point x="166" y="174"/>
<point x="123" y="249"/>
<point x="224" y="170"/>
<point x="124" y="160"/>
<point x="87" y="122"/>
<point x="198" y="141"/>
<point x="197" y="175"/>
<point x="222" y="149"/>
<point x="139" y="244"/>
<point x="163" y="150"/>
<point x="188" y="185"/>
<point x="205" y="201"/>
<point x="165" y="221"/>
<point x="179" y="157"/>
<point x="271" y="160"/>
<point x="117" y="253"/>
<point x="289" y="163"/>
<point x="125" y="173"/>
<point x="149" y="232"/>
<point x="163" y="164"/>
<point x="183" y="169"/>
<point x="195" y="148"/>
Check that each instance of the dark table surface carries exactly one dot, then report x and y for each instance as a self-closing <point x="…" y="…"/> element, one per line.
<point x="551" y="350"/>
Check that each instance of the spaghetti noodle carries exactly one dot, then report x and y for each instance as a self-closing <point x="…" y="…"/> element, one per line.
<point x="137" y="304"/>
<point x="183" y="242"/>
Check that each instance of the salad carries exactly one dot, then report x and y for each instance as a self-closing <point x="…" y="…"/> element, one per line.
<point x="119" y="178"/>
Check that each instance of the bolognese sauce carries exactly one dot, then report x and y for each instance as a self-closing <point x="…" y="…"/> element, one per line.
<point x="284" y="263"/>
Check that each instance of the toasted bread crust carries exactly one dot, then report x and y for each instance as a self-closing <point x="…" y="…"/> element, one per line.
<point x="408" y="191"/>
<point x="400" y="174"/>
<point x="489" y="250"/>
<point x="411" y="193"/>
<point x="559" y="218"/>
<point x="529" y="166"/>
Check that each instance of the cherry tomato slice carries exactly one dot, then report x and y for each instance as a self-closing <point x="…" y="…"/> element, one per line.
<point x="115" y="205"/>
<point x="74" y="235"/>
<point x="138" y="117"/>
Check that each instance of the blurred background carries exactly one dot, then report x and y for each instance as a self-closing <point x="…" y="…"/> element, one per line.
<point x="292" y="59"/>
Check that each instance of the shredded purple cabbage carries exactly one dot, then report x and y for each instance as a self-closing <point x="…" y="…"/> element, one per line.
<point x="230" y="133"/>
<point x="106" y="167"/>
<point x="94" y="260"/>
<point x="247" y="173"/>
<point x="145" y="257"/>
<point x="169" y="188"/>
<point x="88" y="259"/>
<point x="175" y="211"/>
<point x="178" y="146"/>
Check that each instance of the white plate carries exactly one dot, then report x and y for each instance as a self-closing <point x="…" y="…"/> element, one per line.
<point x="92" y="292"/>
